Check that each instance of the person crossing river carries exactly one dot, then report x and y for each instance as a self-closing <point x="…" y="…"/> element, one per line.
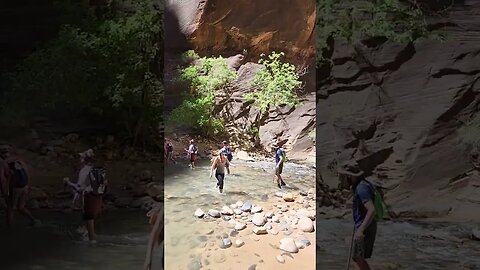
<point x="219" y="164"/>
<point x="228" y="153"/>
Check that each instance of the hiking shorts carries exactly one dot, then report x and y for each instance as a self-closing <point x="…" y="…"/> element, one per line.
<point x="92" y="206"/>
<point x="364" y="248"/>
<point x="279" y="169"/>
<point x="220" y="177"/>
<point x="193" y="157"/>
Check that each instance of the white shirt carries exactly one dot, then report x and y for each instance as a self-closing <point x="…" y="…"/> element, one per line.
<point x="82" y="177"/>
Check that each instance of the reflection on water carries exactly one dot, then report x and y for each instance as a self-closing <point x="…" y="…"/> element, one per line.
<point x="122" y="239"/>
<point x="187" y="190"/>
<point x="400" y="245"/>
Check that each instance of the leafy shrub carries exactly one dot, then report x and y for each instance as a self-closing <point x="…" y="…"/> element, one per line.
<point x="197" y="110"/>
<point x="275" y="83"/>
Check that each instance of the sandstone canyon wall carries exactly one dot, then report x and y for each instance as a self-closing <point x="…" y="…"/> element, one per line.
<point x="227" y="28"/>
<point x="399" y="116"/>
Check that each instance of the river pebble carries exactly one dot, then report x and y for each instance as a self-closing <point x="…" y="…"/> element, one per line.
<point x="305" y="224"/>
<point x="260" y="230"/>
<point x="280" y="259"/>
<point x="288" y="245"/>
<point x="237" y="211"/>
<point x="239" y="243"/>
<point x="214" y="213"/>
<point x="258" y="219"/>
<point x="246" y="207"/>
<point x="288" y="197"/>
<point x="279" y="194"/>
<point x="256" y="209"/>
<point x="227" y="210"/>
<point x="240" y="226"/>
<point x="226" y="243"/>
<point x="199" y="213"/>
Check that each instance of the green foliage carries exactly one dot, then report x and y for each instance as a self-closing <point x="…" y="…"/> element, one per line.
<point x="110" y="67"/>
<point x="205" y="79"/>
<point x="276" y="83"/>
<point x="361" y="19"/>
<point x="469" y="135"/>
<point x="190" y="56"/>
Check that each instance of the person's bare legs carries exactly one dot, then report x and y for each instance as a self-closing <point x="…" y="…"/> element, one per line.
<point x="361" y="264"/>
<point x="23" y="209"/>
<point x="91" y="229"/>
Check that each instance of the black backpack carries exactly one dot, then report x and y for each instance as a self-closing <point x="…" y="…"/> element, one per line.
<point x="19" y="175"/>
<point x="97" y="180"/>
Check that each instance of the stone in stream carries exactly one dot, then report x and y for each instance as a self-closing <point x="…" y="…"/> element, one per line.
<point x="226" y="218"/>
<point x="214" y="213"/>
<point x="306" y="225"/>
<point x="279" y="194"/>
<point x="269" y="214"/>
<point x="199" y="213"/>
<point x="304" y="193"/>
<point x="227" y="210"/>
<point x="273" y="232"/>
<point x="256" y="209"/>
<point x="240" y="226"/>
<point x="239" y="243"/>
<point x="233" y="233"/>
<point x="258" y="219"/>
<point x="275" y="219"/>
<point x="260" y="230"/>
<point x="246" y="207"/>
<point x="280" y="259"/>
<point x="237" y="211"/>
<point x="233" y="206"/>
<point x="268" y="226"/>
<point x="239" y="204"/>
<point x="288" y="245"/>
<point x="226" y="243"/>
<point x="288" y="197"/>
<point x="252" y="267"/>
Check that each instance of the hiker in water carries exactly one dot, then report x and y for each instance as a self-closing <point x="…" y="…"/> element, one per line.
<point x="168" y="151"/>
<point x="365" y="227"/>
<point x="192" y="153"/>
<point x="219" y="164"/>
<point x="228" y="154"/>
<point x="14" y="179"/>
<point x="92" y="185"/>
<point x="279" y="160"/>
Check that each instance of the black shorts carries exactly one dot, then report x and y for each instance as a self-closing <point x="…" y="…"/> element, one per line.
<point x="364" y="248"/>
<point x="279" y="169"/>
<point x="220" y="177"/>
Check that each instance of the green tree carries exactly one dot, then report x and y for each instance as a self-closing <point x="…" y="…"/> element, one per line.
<point x="274" y="84"/>
<point x="109" y="66"/>
<point x="207" y="76"/>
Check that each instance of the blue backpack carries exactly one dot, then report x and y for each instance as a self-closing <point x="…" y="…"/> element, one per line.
<point x="19" y="175"/>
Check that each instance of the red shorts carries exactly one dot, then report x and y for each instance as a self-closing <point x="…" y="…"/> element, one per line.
<point x="193" y="157"/>
<point x="92" y="206"/>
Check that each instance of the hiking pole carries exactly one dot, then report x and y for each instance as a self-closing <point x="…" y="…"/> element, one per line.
<point x="351" y="248"/>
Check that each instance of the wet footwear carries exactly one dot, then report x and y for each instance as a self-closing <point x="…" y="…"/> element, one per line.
<point x="279" y="186"/>
<point x="283" y="183"/>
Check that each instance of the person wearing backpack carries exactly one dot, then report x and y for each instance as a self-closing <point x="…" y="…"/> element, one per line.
<point x="15" y="179"/>
<point x="192" y="153"/>
<point x="364" y="215"/>
<point x="228" y="154"/>
<point x="93" y="185"/>
<point x="280" y="158"/>
<point x="168" y="151"/>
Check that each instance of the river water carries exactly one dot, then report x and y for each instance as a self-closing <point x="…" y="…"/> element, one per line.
<point x="401" y="245"/>
<point x="192" y="243"/>
<point x="122" y="237"/>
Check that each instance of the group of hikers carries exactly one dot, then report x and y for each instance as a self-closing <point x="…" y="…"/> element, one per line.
<point x="89" y="188"/>
<point x="221" y="162"/>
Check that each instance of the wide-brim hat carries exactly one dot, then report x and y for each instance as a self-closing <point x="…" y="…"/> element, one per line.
<point x="351" y="169"/>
